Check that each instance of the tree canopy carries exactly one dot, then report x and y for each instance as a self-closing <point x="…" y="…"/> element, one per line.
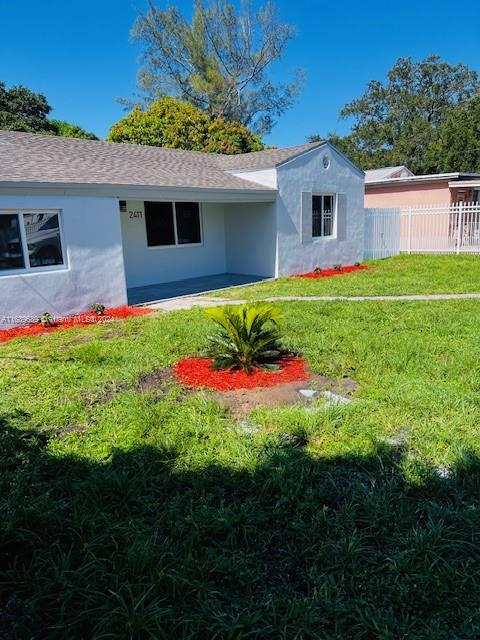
<point x="457" y="144"/>
<point x="23" y="110"/>
<point x="69" y="130"/>
<point x="171" y="123"/>
<point x="219" y="62"/>
<point x="405" y="119"/>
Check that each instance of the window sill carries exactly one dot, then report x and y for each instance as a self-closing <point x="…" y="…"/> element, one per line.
<point x="320" y="239"/>
<point x="32" y="272"/>
<point x="174" y="246"/>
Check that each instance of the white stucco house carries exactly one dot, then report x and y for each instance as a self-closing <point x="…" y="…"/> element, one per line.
<point x="85" y="221"/>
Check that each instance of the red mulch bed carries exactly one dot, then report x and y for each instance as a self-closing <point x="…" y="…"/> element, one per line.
<point x="110" y="315"/>
<point x="198" y="372"/>
<point x="326" y="273"/>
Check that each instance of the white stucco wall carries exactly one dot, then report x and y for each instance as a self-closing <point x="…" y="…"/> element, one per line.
<point x="250" y="238"/>
<point x="92" y="245"/>
<point x="307" y="173"/>
<point x="150" y="265"/>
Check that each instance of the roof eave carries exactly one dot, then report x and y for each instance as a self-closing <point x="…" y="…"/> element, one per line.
<point x="125" y="191"/>
<point x="434" y="177"/>
<point x="472" y="184"/>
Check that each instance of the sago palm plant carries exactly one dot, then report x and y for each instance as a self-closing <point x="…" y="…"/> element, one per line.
<point x="248" y="336"/>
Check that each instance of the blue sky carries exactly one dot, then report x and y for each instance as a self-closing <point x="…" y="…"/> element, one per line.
<point x="80" y="56"/>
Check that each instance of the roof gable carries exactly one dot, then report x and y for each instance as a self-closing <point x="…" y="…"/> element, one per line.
<point x="385" y="173"/>
<point x="267" y="158"/>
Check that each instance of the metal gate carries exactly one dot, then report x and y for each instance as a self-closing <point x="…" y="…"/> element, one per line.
<point x="449" y="228"/>
<point x="382" y="233"/>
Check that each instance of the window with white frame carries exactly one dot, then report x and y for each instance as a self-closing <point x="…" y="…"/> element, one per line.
<point x="30" y="240"/>
<point x="323" y="215"/>
<point x="172" y="223"/>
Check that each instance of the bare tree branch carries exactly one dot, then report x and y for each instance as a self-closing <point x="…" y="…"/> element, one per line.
<point x="219" y="61"/>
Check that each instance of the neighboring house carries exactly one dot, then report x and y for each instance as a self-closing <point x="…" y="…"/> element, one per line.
<point x="438" y="213"/>
<point x="385" y="173"/>
<point x="388" y="188"/>
<point x="86" y="221"/>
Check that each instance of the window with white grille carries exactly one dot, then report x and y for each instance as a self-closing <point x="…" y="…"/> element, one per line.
<point x="323" y="215"/>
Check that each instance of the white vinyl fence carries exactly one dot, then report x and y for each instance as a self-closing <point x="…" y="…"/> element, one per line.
<point x="449" y="228"/>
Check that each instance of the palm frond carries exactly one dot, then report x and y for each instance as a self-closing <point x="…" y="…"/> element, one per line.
<point x="249" y="336"/>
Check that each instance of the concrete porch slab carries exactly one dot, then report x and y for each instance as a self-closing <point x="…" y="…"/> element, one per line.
<point x="191" y="286"/>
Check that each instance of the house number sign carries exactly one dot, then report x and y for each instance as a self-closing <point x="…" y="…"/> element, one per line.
<point x="135" y="215"/>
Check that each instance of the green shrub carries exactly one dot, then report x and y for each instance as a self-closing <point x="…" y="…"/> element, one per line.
<point x="98" y="308"/>
<point x="249" y="336"/>
<point x="46" y="319"/>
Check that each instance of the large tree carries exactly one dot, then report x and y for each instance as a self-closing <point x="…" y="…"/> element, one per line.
<point x="168" y="122"/>
<point x="219" y="62"/>
<point x="397" y="121"/>
<point x="457" y="144"/>
<point x="24" y="110"/>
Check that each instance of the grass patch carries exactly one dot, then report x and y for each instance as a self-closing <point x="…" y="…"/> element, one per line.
<point x="158" y="518"/>
<point x="404" y="274"/>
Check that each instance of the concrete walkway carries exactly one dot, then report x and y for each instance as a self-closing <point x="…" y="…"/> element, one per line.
<point x="188" y="302"/>
<point x="433" y="296"/>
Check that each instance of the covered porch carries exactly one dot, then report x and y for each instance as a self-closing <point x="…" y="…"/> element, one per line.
<point x="184" y="247"/>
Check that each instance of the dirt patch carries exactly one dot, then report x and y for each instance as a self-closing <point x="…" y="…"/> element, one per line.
<point x="108" y="334"/>
<point x="158" y="380"/>
<point x="344" y="387"/>
<point x="70" y="428"/>
<point x="241" y="401"/>
<point x="107" y="393"/>
<point x="26" y="358"/>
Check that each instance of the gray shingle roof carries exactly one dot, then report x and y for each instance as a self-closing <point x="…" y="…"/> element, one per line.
<point x="371" y="175"/>
<point x="267" y="158"/>
<point x="27" y="157"/>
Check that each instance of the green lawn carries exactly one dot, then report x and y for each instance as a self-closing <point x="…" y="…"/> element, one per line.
<point x="403" y="274"/>
<point x="128" y="514"/>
